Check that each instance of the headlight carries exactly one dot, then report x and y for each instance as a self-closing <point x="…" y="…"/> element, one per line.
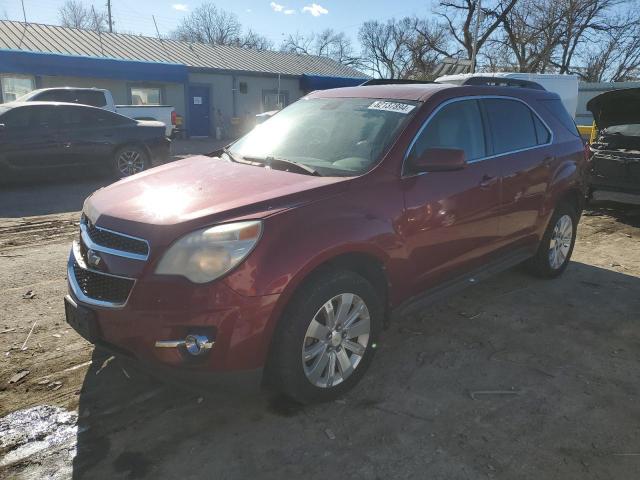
<point x="204" y="255"/>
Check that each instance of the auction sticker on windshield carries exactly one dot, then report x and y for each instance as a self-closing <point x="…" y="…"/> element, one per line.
<point x="391" y="106"/>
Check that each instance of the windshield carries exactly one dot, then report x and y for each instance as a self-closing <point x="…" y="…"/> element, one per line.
<point x="334" y="136"/>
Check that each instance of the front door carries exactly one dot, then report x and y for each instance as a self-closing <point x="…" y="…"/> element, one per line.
<point x="199" y="111"/>
<point x="451" y="218"/>
<point x="29" y="138"/>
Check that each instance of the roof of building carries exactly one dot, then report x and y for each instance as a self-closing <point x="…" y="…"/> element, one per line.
<point x="33" y="37"/>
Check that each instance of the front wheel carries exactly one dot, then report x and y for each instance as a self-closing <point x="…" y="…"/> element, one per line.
<point x="327" y="337"/>
<point x="130" y="160"/>
<point x="557" y="243"/>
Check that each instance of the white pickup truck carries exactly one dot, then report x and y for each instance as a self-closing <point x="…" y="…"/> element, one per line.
<point x="98" y="97"/>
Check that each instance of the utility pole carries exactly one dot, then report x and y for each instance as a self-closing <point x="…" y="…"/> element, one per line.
<point x="109" y="15"/>
<point x="476" y="32"/>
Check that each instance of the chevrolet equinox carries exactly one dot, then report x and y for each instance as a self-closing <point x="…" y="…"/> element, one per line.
<point x="281" y="257"/>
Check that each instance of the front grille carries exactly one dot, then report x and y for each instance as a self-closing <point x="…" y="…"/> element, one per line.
<point x="116" y="241"/>
<point x="102" y="287"/>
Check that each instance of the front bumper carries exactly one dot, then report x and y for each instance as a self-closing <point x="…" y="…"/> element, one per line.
<point x="169" y="308"/>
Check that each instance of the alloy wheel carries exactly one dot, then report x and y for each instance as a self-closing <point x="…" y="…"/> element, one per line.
<point x="130" y="162"/>
<point x="560" y="242"/>
<point x="336" y="340"/>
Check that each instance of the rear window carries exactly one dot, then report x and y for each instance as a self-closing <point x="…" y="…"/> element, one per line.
<point x="556" y="108"/>
<point x="84" y="97"/>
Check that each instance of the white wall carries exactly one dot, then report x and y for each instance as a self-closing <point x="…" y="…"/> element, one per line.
<point x="249" y="104"/>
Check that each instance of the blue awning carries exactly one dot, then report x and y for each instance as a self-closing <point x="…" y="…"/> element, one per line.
<point x="309" y="83"/>
<point x="36" y="63"/>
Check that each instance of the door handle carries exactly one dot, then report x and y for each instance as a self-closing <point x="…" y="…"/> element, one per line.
<point x="487" y="181"/>
<point x="547" y="161"/>
<point x="66" y="144"/>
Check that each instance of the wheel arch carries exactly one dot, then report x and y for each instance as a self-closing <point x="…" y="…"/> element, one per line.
<point x="365" y="263"/>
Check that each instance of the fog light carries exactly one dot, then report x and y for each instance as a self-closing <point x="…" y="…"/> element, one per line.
<point x="197" y="344"/>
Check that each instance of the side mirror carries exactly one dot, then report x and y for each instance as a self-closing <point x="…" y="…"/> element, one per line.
<point x="440" y="160"/>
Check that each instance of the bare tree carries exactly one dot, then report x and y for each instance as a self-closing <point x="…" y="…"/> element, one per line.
<point x="210" y="24"/>
<point x="407" y="48"/>
<point x="328" y="43"/>
<point x="254" y="40"/>
<point x="74" y="14"/>
<point x="583" y="19"/>
<point x="385" y="47"/>
<point x="615" y="56"/>
<point x="531" y="34"/>
<point x="459" y="17"/>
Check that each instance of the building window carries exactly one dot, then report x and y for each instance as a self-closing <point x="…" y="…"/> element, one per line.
<point x="14" y="86"/>
<point x="146" y="95"/>
<point x="274" y="100"/>
<point x="243" y="87"/>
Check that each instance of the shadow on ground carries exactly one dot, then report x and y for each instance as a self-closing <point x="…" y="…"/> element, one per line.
<point x="514" y="378"/>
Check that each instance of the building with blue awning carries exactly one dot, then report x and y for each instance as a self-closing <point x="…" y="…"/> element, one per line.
<point x="209" y="85"/>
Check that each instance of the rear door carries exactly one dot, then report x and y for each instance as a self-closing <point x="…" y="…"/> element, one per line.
<point x="89" y="135"/>
<point x="29" y="140"/>
<point x="451" y="218"/>
<point x="521" y="142"/>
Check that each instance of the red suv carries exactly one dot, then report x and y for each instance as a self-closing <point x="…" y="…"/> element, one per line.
<point x="283" y="255"/>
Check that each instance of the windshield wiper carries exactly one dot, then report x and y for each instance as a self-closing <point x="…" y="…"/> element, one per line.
<point x="230" y="155"/>
<point x="269" y="161"/>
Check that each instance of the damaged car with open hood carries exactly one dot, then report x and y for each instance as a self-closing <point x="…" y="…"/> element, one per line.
<point x="615" y="150"/>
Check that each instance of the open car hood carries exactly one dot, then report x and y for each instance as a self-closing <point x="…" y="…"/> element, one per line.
<point x="616" y="107"/>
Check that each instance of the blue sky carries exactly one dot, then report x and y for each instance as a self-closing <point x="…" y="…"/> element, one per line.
<point x="274" y="19"/>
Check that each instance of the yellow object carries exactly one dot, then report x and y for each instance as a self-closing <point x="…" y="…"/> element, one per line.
<point x="588" y="132"/>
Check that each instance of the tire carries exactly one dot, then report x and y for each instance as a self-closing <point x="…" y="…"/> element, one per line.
<point x="129" y="160"/>
<point x="553" y="256"/>
<point x="309" y="381"/>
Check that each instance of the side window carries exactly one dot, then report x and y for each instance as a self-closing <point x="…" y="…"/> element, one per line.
<point x="512" y="126"/>
<point x="16" y="118"/>
<point x="542" y="133"/>
<point x="46" y="117"/>
<point x="91" y="97"/>
<point x="456" y="125"/>
<point x="54" y="96"/>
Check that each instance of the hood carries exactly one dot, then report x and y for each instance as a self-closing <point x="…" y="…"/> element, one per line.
<point x="198" y="187"/>
<point x="616" y="107"/>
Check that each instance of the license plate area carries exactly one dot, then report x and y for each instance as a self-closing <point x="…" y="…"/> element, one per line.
<point x="82" y="320"/>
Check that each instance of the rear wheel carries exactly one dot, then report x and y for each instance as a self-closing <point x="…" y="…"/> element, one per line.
<point x="557" y="243"/>
<point x="327" y="337"/>
<point x="130" y="160"/>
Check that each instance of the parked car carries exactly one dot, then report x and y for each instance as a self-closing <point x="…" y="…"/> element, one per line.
<point x="38" y="138"/>
<point x="101" y="98"/>
<point x="283" y="257"/>
<point x="615" y="160"/>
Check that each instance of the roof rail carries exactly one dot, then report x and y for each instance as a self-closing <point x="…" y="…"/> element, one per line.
<point x="503" y="82"/>
<point x="392" y="81"/>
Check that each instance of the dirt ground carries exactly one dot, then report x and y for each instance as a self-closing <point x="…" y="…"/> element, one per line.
<point x="517" y="378"/>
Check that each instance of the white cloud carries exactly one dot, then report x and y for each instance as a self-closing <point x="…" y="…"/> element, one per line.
<point x="315" y="10"/>
<point x="276" y="7"/>
<point x="248" y="10"/>
<point x="181" y="7"/>
<point x="289" y="11"/>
